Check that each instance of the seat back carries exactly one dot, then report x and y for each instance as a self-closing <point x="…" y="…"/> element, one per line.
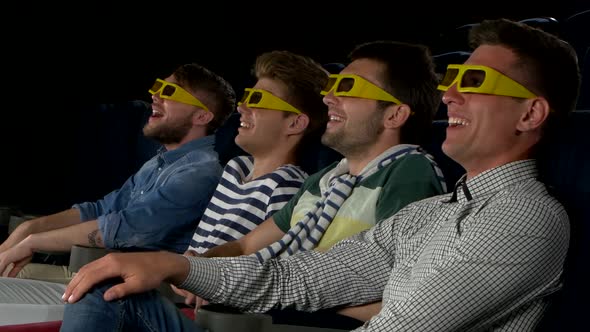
<point x="565" y="168"/>
<point x="450" y="168"/>
<point x="225" y="135"/>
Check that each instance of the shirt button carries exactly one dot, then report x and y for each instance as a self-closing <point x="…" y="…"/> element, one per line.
<point x="159" y="168"/>
<point x="141" y="192"/>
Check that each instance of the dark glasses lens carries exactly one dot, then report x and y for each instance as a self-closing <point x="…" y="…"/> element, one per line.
<point x="157" y="85"/>
<point x="245" y="97"/>
<point x="168" y="91"/>
<point x="330" y="84"/>
<point x="473" y="78"/>
<point x="345" y="84"/>
<point x="450" y="76"/>
<point x="255" y="98"/>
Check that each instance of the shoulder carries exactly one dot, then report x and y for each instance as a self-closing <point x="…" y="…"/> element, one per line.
<point x="527" y="208"/>
<point x="291" y="172"/>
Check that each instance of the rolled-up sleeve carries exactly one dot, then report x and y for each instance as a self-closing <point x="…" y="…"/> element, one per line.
<point x="163" y="218"/>
<point x="111" y="202"/>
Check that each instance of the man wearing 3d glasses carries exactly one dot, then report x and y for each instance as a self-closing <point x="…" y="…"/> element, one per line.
<point x="383" y="169"/>
<point x="279" y="117"/>
<point x="380" y="106"/>
<point x="484" y="257"/>
<point x="157" y="207"/>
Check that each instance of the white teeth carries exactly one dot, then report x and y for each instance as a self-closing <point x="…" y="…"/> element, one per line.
<point x="335" y="118"/>
<point x="245" y="125"/>
<point x="154" y="112"/>
<point x="458" y="122"/>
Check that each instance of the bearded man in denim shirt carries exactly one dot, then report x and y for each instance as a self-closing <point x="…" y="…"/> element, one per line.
<point x="158" y="207"/>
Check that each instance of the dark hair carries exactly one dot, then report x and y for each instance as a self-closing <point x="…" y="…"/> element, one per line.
<point x="549" y="64"/>
<point x="304" y="79"/>
<point x="220" y="98"/>
<point x="409" y="76"/>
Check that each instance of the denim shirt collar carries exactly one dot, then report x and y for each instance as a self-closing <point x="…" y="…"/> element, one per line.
<point x="203" y="143"/>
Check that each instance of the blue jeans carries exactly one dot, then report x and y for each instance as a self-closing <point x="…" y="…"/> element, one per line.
<point x="141" y="312"/>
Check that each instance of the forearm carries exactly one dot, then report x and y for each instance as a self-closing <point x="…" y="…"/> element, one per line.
<point x="229" y="249"/>
<point x="245" y="283"/>
<point x="362" y="312"/>
<point x="61" y="240"/>
<point x="41" y="224"/>
<point x="55" y="221"/>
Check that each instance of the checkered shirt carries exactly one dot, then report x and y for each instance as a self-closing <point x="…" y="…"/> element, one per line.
<point x="484" y="257"/>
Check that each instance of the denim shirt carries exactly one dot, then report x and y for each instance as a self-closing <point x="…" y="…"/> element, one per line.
<point x="158" y="207"/>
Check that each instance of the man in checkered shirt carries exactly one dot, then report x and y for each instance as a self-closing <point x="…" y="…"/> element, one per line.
<point x="484" y="257"/>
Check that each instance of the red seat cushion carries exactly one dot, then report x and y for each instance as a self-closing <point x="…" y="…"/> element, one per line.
<point x="33" y="327"/>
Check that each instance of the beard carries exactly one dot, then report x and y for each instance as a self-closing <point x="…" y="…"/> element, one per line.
<point x="350" y="143"/>
<point x="168" y="133"/>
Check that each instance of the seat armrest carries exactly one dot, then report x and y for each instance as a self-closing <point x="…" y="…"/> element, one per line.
<point x="221" y="319"/>
<point x="80" y="256"/>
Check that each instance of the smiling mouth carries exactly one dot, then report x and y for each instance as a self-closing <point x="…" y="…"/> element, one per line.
<point x="456" y="122"/>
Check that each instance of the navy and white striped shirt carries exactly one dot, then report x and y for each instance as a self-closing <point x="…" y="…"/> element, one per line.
<point x="239" y="205"/>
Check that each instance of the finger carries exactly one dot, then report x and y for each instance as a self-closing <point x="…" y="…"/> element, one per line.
<point x="115" y="292"/>
<point x="14" y="271"/>
<point x="88" y="276"/>
<point x="77" y="287"/>
<point x="190" y="253"/>
<point x="178" y="291"/>
<point x="190" y="299"/>
<point x="5" y="270"/>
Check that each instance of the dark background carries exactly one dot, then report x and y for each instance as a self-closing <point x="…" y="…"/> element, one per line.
<point x="60" y="64"/>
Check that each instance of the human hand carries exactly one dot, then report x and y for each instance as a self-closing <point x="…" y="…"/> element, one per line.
<point x="140" y="272"/>
<point x="14" y="259"/>
<point x="191" y="253"/>
<point x="17" y="236"/>
<point x="199" y="302"/>
<point x="189" y="298"/>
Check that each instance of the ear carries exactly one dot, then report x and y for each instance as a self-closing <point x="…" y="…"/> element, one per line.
<point x="396" y="115"/>
<point x="297" y="124"/>
<point x="202" y="117"/>
<point x="537" y="112"/>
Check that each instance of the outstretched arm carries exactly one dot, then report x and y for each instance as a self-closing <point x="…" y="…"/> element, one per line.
<point x="42" y="224"/>
<point x="139" y="272"/>
<point x="57" y="240"/>
<point x="260" y="237"/>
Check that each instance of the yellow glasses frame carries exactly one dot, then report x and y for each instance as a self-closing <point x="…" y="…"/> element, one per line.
<point x="360" y="88"/>
<point x="175" y="92"/>
<point x="494" y="82"/>
<point x="257" y="98"/>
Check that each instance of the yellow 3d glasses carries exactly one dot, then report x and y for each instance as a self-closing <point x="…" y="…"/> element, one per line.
<point x="174" y="92"/>
<point x="258" y="98"/>
<point x="482" y="79"/>
<point x="356" y="86"/>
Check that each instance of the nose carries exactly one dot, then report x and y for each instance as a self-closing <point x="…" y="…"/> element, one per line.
<point x="329" y="99"/>
<point x="156" y="97"/>
<point x="242" y="108"/>
<point x="452" y="95"/>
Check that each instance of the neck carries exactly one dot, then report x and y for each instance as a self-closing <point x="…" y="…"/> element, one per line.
<point x="190" y="136"/>
<point x="483" y="165"/>
<point x="362" y="157"/>
<point x="268" y="163"/>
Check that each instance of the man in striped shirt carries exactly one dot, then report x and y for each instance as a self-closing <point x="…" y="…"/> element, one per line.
<point x="377" y="123"/>
<point x="279" y="116"/>
<point x="484" y="257"/>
